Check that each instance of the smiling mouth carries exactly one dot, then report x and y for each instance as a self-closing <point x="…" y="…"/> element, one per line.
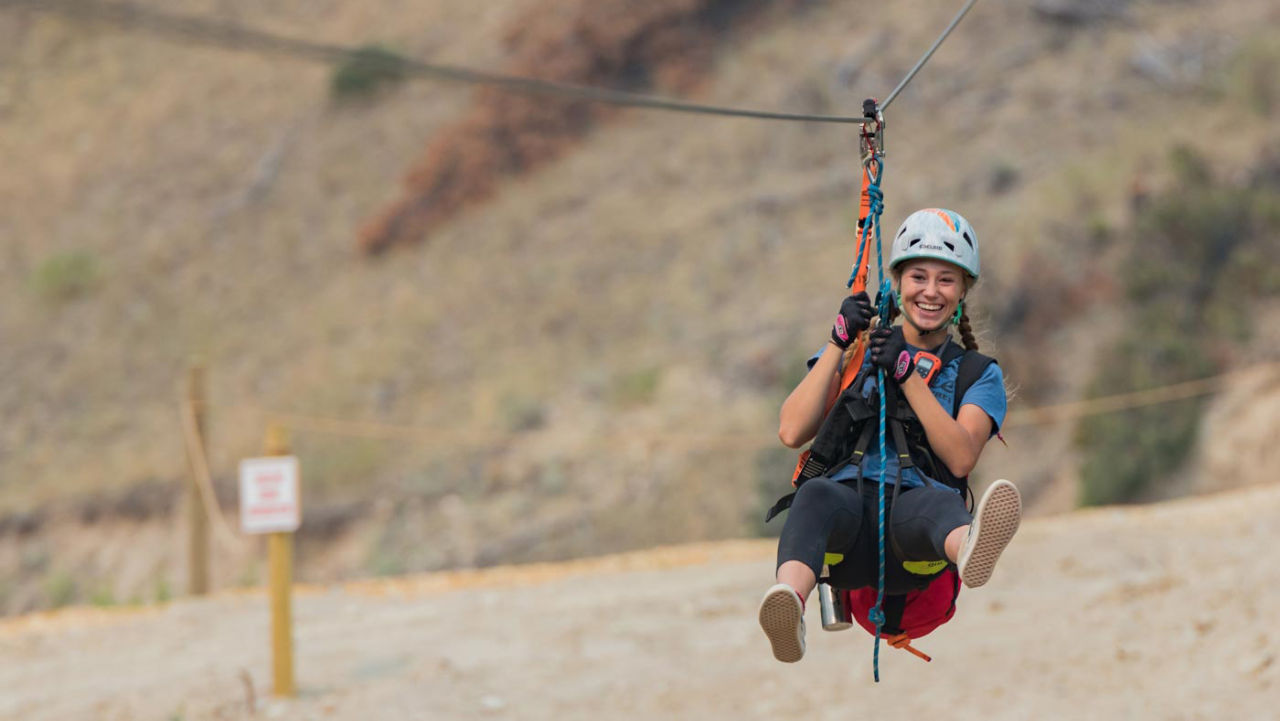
<point x="929" y="307"/>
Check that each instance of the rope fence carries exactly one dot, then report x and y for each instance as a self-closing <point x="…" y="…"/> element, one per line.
<point x="204" y="479"/>
<point x="1127" y="401"/>
<point x="233" y="542"/>
<point x="1022" y="417"/>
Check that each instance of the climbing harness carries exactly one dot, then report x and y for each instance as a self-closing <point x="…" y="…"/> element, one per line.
<point x="845" y="434"/>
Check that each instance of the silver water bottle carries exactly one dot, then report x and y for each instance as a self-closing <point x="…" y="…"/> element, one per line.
<point x="835" y="612"/>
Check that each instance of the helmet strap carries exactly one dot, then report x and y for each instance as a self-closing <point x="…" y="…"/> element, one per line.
<point x="955" y="319"/>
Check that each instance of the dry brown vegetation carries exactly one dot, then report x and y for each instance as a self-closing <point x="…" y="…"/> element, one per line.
<point x="664" y="44"/>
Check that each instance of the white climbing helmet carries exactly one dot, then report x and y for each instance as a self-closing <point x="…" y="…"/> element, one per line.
<point x="936" y="233"/>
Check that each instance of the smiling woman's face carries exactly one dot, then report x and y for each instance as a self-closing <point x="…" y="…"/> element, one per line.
<point x="931" y="290"/>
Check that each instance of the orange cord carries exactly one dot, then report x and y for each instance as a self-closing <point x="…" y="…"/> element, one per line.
<point x="903" y="641"/>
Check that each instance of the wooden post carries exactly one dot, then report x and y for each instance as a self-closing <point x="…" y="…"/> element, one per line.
<point x="280" y="566"/>
<point x="197" y="514"/>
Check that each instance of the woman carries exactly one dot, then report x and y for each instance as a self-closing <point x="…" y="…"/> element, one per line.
<point x="933" y="263"/>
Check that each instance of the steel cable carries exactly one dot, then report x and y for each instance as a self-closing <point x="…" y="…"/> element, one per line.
<point x="925" y="58"/>
<point x="238" y="37"/>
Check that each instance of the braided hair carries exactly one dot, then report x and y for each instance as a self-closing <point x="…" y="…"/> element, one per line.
<point x="966" y="332"/>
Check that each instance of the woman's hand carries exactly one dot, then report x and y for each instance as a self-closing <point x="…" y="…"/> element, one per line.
<point x="889" y="351"/>
<point x="854" y="317"/>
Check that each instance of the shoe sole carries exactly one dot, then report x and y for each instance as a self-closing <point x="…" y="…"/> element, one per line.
<point x="781" y="618"/>
<point x="994" y="523"/>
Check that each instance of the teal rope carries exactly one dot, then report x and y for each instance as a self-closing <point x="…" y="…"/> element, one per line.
<point x="886" y="291"/>
<point x="876" y="614"/>
<point x="876" y="207"/>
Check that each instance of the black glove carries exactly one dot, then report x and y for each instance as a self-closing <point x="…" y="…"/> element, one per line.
<point x="854" y="317"/>
<point x="889" y="351"/>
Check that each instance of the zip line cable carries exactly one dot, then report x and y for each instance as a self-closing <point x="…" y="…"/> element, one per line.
<point x="920" y="64"/>
<point x="238" y="37"/>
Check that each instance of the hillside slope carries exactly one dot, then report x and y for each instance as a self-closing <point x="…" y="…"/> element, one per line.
<point x="1160" y="612"/>
<point x="593" y="360"/>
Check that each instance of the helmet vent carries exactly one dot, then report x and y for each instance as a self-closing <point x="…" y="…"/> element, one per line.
<point x="913" y="242"/>
<point x="968" y="240"/>
<point x="950" y="246"/>
<point x="902" y="230"/>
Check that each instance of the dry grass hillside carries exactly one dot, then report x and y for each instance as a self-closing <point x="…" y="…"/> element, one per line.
<point x="595" y="355"/>
<point x="624" y="45"/>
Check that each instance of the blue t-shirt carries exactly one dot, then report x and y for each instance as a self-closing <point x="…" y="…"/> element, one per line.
<point x="986" y="393"/>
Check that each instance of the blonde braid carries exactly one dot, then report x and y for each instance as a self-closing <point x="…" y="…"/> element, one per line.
<point x="966" y="332"/>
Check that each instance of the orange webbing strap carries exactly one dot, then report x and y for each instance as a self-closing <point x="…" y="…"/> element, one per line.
<point x="863" y="262"/>
<point x="903" y="641"/>
<point x="859" y="284"/>
<point x="862" y="265"/>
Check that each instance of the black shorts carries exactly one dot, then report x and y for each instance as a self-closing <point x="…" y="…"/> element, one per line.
<point x="831" y="517"/>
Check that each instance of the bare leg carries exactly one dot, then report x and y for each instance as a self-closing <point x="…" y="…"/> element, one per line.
<point x="798" y="576"/>
<point x="955" y="540"/>
<point x="995" y="520"/>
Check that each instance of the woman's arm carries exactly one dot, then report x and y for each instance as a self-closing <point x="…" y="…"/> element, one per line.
<point x="804" y="409"/>
<point x="957" y="441"/>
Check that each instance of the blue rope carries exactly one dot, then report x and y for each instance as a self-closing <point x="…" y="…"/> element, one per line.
<point x="876" y="615"/>
<point x="876" y="207"/>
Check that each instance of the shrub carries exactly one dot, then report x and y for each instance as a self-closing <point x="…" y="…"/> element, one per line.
<point x="1254" y="76"/>
<point x="383" y="562"/>
<point x="1002" y="177"/>
<point x="365" y="71"/>
<point x="65" y="276"/>
<point x="1125" y="451"/>
<point x="333" y="467"/>
<point x="103" y="596"/>
<point x="773" y="469"/>
<point x="163" y="593"/>
<point x="1199" y="253"/>
<point x="60" y="588"/>
<point x="636" y="388"/>
<point x="521" y="413"/>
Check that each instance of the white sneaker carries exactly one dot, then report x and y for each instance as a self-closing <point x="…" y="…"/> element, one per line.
<point x="994" y="522"/>
<point x="782" y="618"/>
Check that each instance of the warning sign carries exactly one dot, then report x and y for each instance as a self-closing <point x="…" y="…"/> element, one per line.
<point x="269" y="495"/>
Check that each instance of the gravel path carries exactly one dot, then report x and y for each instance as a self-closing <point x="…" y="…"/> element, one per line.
<point x="1159" y="612"/>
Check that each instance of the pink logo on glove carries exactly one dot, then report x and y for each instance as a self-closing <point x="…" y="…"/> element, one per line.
<point x="841" y="329"/>
<point x="904" y="362"/>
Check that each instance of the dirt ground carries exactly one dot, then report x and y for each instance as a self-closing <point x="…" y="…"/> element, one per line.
<point x="1157" y="612"/>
